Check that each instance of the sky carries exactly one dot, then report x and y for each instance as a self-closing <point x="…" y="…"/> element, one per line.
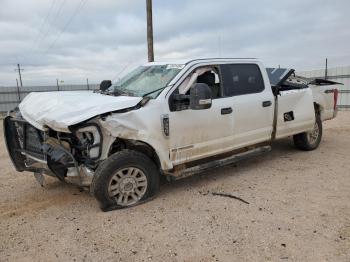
<point x="72" y="40"/>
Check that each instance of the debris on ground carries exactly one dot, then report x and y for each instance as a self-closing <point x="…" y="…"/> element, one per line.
<point x="230" y="196"/>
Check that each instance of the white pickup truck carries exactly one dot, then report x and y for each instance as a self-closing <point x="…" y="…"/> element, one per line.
<point x="164" y="119"/>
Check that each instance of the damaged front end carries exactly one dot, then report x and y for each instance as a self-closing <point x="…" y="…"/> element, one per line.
<point x="70" y="157"/>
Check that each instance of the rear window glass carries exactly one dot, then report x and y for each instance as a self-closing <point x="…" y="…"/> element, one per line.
<point x="240" y="79"/>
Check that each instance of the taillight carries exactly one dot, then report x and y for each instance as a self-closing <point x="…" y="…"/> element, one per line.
<point x="335" y="96"/>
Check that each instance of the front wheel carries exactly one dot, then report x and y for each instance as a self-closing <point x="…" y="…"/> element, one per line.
<point x="125" y="179"/>
<point x="308" y="141"/>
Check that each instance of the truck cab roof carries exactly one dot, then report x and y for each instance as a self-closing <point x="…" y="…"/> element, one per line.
<point x="199" y="60"/>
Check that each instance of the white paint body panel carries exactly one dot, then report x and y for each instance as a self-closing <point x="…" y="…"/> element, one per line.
<point x="58" y="110"/>
<point x="326" y="101"/>
<point x="144" y="125"/>
<point x="301" y="103"/>
<point x="195" y="134"/>
<point x="253" y="122"/>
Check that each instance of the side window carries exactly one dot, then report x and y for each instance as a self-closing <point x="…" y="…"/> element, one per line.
<point x="210" y="75"/>
<point x="212" y="79"/>
<point x="240" y="79"/>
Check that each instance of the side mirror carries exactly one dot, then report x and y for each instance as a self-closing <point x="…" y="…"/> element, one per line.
<point x="200" y="96"/>
<point x="105" y="84"/>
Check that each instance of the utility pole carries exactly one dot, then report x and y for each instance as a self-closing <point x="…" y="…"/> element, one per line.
<point x="19" y="73"/>
<point x="18" y="94"/>
<point x="326" y="70"/>
<point x="149" y="31"/>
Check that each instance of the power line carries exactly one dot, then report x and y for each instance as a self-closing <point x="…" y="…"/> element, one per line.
<point x="121" y="71"/>
<point x="7" y="64"/>
<point x="77" y="9"/>
<point x="42" y="35"/>
<point x="53" y="20"/>
<point x="45" y="20"/>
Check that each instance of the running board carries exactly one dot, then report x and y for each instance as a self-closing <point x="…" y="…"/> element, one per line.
<point x="217" y="163"/>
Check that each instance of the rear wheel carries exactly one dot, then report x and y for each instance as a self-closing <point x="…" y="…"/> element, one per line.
<point x="309" y="140"/>
<point x="125" y="179"/>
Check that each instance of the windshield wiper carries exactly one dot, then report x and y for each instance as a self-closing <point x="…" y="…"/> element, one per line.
<point x="154" y="91"/>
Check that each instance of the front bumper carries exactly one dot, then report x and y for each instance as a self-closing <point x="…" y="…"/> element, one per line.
<point x="24" y="144"/>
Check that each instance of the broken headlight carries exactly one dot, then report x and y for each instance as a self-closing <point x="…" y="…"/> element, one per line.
<point x="90" y="140"/>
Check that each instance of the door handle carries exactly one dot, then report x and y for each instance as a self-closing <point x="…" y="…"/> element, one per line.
<point x="266" y="103"/>
<point x="226" y="110"/>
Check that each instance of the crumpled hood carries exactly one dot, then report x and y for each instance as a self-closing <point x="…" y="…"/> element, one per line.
<point x="58" y="110"/>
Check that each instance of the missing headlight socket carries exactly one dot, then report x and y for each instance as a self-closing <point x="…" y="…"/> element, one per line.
<point x="89" y="132"/>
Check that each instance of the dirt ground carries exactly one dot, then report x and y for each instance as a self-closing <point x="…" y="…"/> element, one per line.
<point x="299" y="210"/>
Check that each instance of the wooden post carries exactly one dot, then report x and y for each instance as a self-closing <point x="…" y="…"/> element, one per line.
<point x="149" y="31"/>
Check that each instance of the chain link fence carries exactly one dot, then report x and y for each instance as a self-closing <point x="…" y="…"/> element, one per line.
<point x="11" y="96"/>
<point x="337" y="74"/>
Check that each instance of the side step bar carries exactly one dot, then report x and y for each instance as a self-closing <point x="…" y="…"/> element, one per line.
<point x="217" y="163"/>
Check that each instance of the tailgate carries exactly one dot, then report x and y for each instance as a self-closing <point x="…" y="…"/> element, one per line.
<point x="325" y="93"/>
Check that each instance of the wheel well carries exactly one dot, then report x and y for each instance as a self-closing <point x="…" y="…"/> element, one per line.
<point x="317" y="108"/>
<point x="142" y="147"/>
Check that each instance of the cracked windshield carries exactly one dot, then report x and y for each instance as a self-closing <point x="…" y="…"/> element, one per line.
<point x="146" y="80"/>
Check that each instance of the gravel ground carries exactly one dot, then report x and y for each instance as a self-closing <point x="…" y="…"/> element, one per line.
<point x="299" y="210"/>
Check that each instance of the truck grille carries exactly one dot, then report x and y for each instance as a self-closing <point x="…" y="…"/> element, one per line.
<point x="26" y="138"/>
<point x="33" y="140"/>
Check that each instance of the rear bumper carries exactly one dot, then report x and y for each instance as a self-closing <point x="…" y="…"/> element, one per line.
<point x="335" y="112"/>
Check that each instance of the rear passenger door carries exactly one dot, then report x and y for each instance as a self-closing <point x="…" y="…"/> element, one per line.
<point x="252" y="103"/>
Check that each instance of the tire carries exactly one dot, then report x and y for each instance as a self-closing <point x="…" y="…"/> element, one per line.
<point x="127" y="178"/>
<point x="308" y="141"/>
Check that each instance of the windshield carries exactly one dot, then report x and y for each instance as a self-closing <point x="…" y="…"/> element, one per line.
<point x="146" y="80"/>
